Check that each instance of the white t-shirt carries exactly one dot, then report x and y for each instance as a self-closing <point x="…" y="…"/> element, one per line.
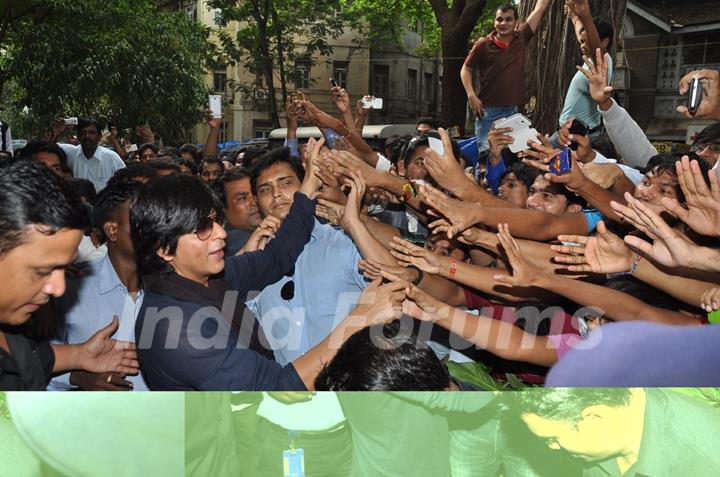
<point x="98" y="169"/>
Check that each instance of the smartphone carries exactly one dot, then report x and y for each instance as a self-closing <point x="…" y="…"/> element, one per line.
<point x="561" y="163"/>
<point x="333" y="83"/>
<point x="436" y="145"/>
<point x="133" y="148"/>
<point x="376" y="103"/>
<point x="695" y="94"/>
<point x="72" y="121"/>
<point x="215" y="102"/>
<point x="579" y="128"/>
<point x="521" y="131"/>
<point x="295" y="97"/>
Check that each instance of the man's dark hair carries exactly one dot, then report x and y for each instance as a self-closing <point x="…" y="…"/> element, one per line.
<point x="397" y="145"/>
<point x="36" y="147"/>
<point x="524" y="173"/>
<point x="211" y="160"/>
<point x="162" y="163"/>
<point x="605" y="30"/>
<point x="192" y="149"/>
<point x="85" y="189"/>
<point x="429" y="120"/>
<point x="276" y="156"/>
<point x="85" y="122"/>
<point x="709" y="135"/>
<point x="168" y="151"/>
<point x="148" y="145"/>
<point x="383" y="358"/>
<point x="666" y="163"/>
<point x="605" y="146"/>
<point x="251" y="154"/>
<point x="133" y="172"/>
<point x="31" y="194"/>
<point x="566" y="404"/>
<point x="508" y="7"/>
<point x="110" y="199"/>
<point x="181" y="161"/>
<point x="423" y="140"/>
<point x="165" y="210"/>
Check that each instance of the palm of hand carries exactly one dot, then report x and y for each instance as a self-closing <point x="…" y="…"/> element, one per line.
<point x="606" y="256"/>
<point x="704" y="217"/>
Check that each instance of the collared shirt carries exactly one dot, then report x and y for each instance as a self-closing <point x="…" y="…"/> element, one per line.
<point x="327" y="286"/>
<point x="98" y="169"/>
<point x="89" y="305"/>
<point x="28" y="365"/>
<point x="679" y="438"/>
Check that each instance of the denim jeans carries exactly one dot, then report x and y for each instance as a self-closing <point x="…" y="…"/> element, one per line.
<point x="483" y="126"/>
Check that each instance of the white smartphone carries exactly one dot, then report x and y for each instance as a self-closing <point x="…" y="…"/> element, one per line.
<point x="376" y="103"/>
<point x="215" y="102"/>
<point x="133" y="148"/>
<point x="436" y="145"/>
<point x="72" y="121"/>
<point x="521" y="131"/>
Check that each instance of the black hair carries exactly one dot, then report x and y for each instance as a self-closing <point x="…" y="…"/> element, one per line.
<point x="181" y="161"/>
<point x="85" y="122"/>
<point x="192" y="149"/>
<point x="164" y="163"/>
<point x="148" y="145"/>
<point x="84" y="188"/>
<point x="110" y="199"/>
<point x="211" y="160"/>
<point x="36" y="147"/>
<point x="397" y="145"/>
<point x="235" y="174"/>
<point x="508" y="7"/>
<point x="133" y="172"/>
<point x="524" y="173"/>
<point x="251" y="154"/>
<point x="567" y="404"/>
<point x="605" y="146"/>
<point x="382" y="358"/>
<point x="423" y="140"/>
<point x="269" y="159"/>
<point x="31" y="194"/>
<point x="709" y="135"/>
<point x="605" y="29"/>
<point x="168" y="151"/>
<point x="65" y="169"/>
<point x="429" y="120"/>
<point x="166" y="209"/>
<point x="666" y="163"/>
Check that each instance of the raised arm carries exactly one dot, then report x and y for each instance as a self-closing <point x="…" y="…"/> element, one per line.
<point x="211" y="143"/>
<point x="537" y="14"/>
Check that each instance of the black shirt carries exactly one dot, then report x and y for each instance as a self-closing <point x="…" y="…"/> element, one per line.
<point x="28" y="366"/>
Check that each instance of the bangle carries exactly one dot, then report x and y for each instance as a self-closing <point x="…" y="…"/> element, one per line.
<point x="453" y="268"/>
<point x="419" y="279"/>
<point x="408" y="192"/>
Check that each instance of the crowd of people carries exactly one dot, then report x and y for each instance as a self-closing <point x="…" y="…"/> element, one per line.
<point x="338" y="266"/>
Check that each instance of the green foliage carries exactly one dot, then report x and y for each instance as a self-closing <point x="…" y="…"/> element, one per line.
<point x="123" y="60"/>
<point x="4" y="412"/>
<point x="276" y="34"/>
<point x="479" y="375"/>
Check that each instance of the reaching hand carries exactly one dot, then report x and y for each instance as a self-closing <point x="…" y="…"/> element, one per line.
<point x="461" y="215"/>
<point x="351" y="217"/>
<point x="669" y="247"/>
<point x="604" y="252"/>
<point x="710" y="104"/>
<point x="261" y="235"/>
<point x="340" y="98"/>
<point x="539" y="154"/>
<point x="579" y="8"/>
<point x="347" y="163"/>
<point x="410" y="254"/>
<point x="372" y="269"/>
<point x="212" y="121"/>
<point x="703" y="204"/>
<point x="498" y="140"/>
<point x="311" y="183"/>
<point x="445" y="169"/>
<point x="711" y="300"/>
<point x="101" y="354"/>
<point x="523" y="273"/>
<point x="597" y="74"/>
<point x="360" y="109"/>
<point x="330" y="211"/>
<point x="381" y="304"/>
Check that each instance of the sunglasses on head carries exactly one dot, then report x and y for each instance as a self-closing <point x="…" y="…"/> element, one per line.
<point x="205" y="227"/>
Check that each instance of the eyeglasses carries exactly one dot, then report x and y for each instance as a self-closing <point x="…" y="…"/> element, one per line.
<point x="205" y="227"/>
<point x="287" y="292"/>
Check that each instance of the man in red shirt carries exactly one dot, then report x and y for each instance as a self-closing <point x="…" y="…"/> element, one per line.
<point x="500" y="59"/>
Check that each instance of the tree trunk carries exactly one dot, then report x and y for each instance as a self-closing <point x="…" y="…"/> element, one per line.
<point x="281" y="60"/>
<point x="553" y="55"/>
<point x="454" y="100"/>
<point x="267" y="59"/>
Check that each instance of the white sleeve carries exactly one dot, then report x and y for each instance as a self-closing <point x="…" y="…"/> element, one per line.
<point x="629" y="139"/>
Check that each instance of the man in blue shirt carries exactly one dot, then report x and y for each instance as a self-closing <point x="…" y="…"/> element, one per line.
<point x="301" y="309"/>
<point x="110" y="287"/>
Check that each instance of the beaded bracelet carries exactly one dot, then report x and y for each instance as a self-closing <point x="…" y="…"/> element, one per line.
<point x="408" y="192"/>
